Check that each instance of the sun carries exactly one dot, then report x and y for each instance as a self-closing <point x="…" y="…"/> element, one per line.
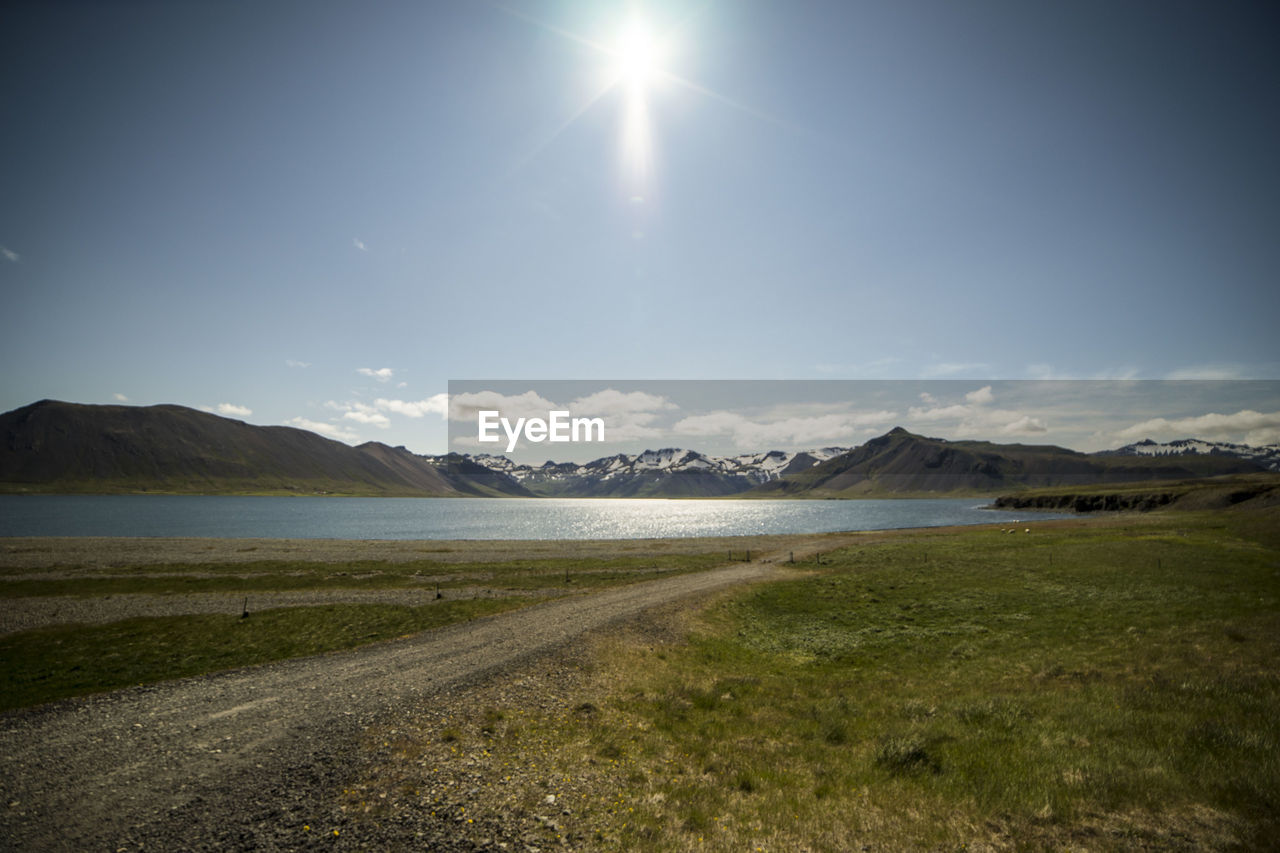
<point x="639" y="56"/>
<point x="638" y="65"/>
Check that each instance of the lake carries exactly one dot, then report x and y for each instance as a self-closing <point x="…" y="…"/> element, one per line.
<point x="467" y="518"/>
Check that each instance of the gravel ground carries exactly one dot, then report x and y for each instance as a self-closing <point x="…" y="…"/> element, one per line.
<point x="69" y="558"/>
<point x="245" y="759"/>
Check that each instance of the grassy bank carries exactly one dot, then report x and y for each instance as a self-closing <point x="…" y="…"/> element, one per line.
<point x="1108" y="687"/>
<point x="1256" y="490"/>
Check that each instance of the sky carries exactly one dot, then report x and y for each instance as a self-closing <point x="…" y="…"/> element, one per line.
<point x="319" y="213"/>
<point x="746" y="417"/>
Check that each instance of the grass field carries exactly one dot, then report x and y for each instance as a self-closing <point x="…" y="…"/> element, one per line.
<point x="1107" y="687"/>
<point x="53" y="663"/>
<point x="303" y="574"/>
<point x="68" y="660"/>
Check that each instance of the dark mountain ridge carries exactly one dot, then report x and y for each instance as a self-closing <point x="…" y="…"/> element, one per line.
<point x="903" y="463"/>
<point x="1267" y="456"/>
<point x="52" y="446"/>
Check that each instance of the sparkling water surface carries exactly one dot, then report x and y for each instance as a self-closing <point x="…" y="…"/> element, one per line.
<point x="468" y="518"/>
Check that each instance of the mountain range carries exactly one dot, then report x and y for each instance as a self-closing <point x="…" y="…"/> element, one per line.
<point x="1267" y="456"/>
<point x="670" y="472"/>
<point x="52" y="446"/>
<point x="902" y="463"/>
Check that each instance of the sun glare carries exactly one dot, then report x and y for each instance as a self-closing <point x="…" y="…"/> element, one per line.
<point x="637" y="55"/>
<point x="638" y="66"/>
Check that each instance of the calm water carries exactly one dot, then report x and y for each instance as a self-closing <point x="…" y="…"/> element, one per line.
<point x="470" y="518"/>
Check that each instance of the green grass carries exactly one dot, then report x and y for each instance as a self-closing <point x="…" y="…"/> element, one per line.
<point x="287" y="575"/>
<point x="1099" y="688"/>
<point x="1185" y="494"/>
<point x="55" y="663"/>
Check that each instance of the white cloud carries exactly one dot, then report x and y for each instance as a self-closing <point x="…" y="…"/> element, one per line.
<point x="375" y="414"/>
<point x="363" y="413"/>
<point x="326" y="429"/>
<point x="783" y="432"/>
<point x="1246" y="426"/>
<point x="233" y="409"/>
<point x="382" y="374"/>
<point x="1025" y="425"/>
<point x="975" y="418"/>
<point x="359" y="244"/>
<point x="436" y="404"/>
<point x="715" y="423"/>
<point x="10" y="255"/>
<point x="610" y="402"/>
<point x="292" y="362"/>
<point x="934" y="414"/>
<point x="628" y="415"/>
<point x="1259" y="437"/>
<point x="120" y="397"/>
<point x="465" y="407"/>
<point x="980" y="397"/>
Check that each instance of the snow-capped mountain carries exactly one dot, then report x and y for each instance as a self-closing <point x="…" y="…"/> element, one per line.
<point x="1268" y="455"/>
<point x="669" y="471"/>
<point x="924" y="466"/>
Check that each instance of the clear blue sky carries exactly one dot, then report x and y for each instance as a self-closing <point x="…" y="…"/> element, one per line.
<point x="300" y="209"/>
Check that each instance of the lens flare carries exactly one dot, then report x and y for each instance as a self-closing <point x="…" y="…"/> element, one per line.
<point x="638" y="58"/>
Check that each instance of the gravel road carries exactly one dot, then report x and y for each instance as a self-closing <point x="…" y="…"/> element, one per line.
<point x="238" y="760"/>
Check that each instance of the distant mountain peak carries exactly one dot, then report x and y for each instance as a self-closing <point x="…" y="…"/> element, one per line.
<point x="668" y="471"/>
<point x="53" y="446"/>
<point x="1266" y="456"/>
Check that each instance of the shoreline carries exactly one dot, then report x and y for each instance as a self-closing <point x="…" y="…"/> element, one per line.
<point x="33" y="552"/>
<point x="98" y="559"/>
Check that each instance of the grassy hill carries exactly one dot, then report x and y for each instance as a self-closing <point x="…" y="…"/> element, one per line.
<point x="52" y="446"/>
<point x="901" y="463"/>
<point x="1233" y="490"/>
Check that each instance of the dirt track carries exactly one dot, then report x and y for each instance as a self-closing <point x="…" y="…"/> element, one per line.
<point x="239" y="760"/>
